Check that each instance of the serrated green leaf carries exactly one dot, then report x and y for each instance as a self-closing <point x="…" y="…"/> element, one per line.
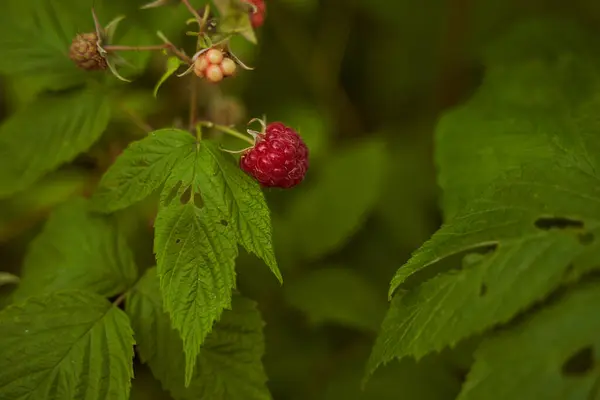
<point x="553" y="355"/>
<point x="196" y="267"/>
<point x="173" y="64"/>
<point x="143" y="168"/>
<point x="49" y="132"/>
<point x="78" y="250"/>
<point x="69" y="345"/>
<point x="356" y="175"/>
<point x="173" y="158"/>
<point x="240" y="200"/>
<point x="229" y="365"/>
<point x="537" y="216"/>
<point x="338" y="295"/>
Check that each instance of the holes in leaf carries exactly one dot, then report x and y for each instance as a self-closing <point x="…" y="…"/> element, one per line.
<point x="224" y="223"/>
<point x="548" y="223"/>
<point x="186" y="196"/>
<point x="579" y="363"/>
<point x="469" y="258"/>
<point x="198" y="201"/>
<point x="178" y="241"/>
<point x="586" y="238"/>
<point x="483" y="290"/>
<point x="172" y="193"/>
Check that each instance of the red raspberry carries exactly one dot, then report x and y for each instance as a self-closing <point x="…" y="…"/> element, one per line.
<point x="278" y="159"/>
<point x="257" y="19"/>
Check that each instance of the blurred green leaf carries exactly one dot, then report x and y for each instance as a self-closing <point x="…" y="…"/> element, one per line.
<point x="534" y="220"/>
<point x="77" y="250"/>
<point x="229" y="365"/>
<point x="134" y="35"/>
<point x="21" y="211"/>
<point x="406" y="207"/>
<point x="196" y="266"/>
<point x="536" y="74"/>
<point x="428" y="379"/>
<point x="34" y="40"/>
<point x="173" y="64"/>
<point x="311" y="124"/>
<point x="338" y="295"/>
<point x="235" y="18"/>
<point x="69" y="345"/>
<point x="47" y="133"/>
<point x="8" y="279"/>
<point x="326" y="212"/>
<point x="552" y="355"/>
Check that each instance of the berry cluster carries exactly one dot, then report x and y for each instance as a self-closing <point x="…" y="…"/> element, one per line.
<point x="214" y="65"/>
<point x="279" y="157"/>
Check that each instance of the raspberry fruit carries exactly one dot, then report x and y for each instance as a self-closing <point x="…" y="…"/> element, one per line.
<point x="214" y="65"/>
<point x="84" y="52"/>
<point x="279" y="157"/>
<point x="257" y="12"/>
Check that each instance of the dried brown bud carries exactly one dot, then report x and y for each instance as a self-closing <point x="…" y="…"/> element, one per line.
<point x="84" y="52"/>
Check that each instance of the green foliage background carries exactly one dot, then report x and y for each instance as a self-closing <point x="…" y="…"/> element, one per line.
<point x="446" y="239"/>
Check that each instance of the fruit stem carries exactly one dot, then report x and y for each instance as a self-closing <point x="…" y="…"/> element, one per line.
<point x="193" y="11"/>
<point x="119" y="299"/>
<point x="136" y="48"/>
<point x="227" y="130"/>
<point x="193" y="103"/>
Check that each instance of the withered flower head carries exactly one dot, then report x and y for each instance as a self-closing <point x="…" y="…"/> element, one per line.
<point x="84" y="52"/>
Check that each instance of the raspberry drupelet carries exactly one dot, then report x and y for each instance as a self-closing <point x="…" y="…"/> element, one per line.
<point x="279" y="157"/>
<point x="258" y="13"/>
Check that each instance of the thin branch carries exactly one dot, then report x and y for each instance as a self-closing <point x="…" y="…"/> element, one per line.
<point x="193" y="11"/>
<point x="120" y="299"/>
<point x="182" y="56"/>
<point x="137" y="48"/>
